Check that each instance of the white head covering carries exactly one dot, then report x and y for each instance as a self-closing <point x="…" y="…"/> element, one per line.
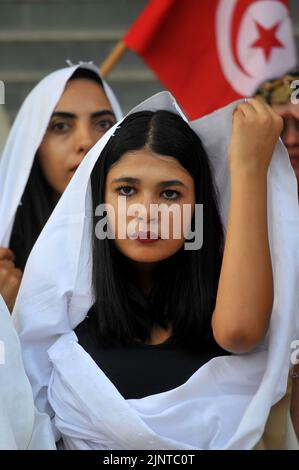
<point x="225" y="403"/>
<point x="25" y="138"/>
<point x="21" y="427"/>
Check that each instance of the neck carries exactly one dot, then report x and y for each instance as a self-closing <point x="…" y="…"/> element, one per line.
<point x="55" y="196"/>
<point x="145" y="275"/>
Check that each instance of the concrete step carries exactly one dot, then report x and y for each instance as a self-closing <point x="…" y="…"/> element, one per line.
<point x="48" y="55"/>
<point x="72" y="14"/>
<point x="58" y="35"/>
<point x="68" y="14"/>
<point x="128" y="75"/>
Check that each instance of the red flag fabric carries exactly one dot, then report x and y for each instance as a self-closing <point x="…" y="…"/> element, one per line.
<point x="211" y="52"/>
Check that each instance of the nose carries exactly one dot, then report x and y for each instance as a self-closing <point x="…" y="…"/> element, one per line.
<point x="146" y="211"/>
<point x="290" y="134"/>
<point x="84" y="139"/>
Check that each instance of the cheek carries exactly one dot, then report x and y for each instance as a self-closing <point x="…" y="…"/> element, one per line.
<point x="121" y="215"/>
<point x="51" y="159"/>
<point x="111" y="208"/>
<point x="178" y="222"/>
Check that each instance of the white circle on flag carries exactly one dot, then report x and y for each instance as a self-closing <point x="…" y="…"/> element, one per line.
<point x="253" y="59"/>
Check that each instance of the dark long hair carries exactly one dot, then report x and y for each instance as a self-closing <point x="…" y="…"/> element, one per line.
<point x="185" y="287"/>
<point x="38" y="200"/>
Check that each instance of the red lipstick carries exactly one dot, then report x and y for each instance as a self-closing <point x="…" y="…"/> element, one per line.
<point x="146" y="237"/>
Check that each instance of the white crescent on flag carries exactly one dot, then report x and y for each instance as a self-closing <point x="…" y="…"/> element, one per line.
<point x="254" y="42"/>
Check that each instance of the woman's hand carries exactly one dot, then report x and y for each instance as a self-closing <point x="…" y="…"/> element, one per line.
<point x="256" y="129"/>
<point x="10" y="277"/>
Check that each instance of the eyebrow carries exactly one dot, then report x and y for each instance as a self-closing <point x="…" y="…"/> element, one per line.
<point x="161" y="184"/>
<point x="64" y="114"/>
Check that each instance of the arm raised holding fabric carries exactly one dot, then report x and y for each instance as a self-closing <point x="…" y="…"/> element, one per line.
<point x="245" y="292"/>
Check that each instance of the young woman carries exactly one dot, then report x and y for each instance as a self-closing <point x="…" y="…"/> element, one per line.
<point x="60" y="120"/>
<point x="150" y="321"/>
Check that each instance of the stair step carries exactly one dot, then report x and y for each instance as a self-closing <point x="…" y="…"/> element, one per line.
<point x="24" y="36"/>
<point x="115" y="76"/>
<point x="68" y="14"/>
<point x="34" y="56"/>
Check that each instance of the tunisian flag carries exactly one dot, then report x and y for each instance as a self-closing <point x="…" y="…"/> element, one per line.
<point x="211" y="52"/>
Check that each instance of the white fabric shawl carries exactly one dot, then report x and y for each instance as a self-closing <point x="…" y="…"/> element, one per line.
<point x="25" y="137"/>
<point x="21" y="426"/>
<point x="225" y="403"/>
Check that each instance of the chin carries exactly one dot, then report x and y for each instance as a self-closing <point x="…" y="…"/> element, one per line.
<point x="147" y="254"/>
<point x="145" y="258"/>
<point x="149" y="257"/>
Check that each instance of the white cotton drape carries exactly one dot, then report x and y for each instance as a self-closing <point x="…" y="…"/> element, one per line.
<point x="21" y="426"/>
<point x="225" y="404"/>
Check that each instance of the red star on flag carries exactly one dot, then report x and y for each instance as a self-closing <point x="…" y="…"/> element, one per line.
<point x="267" y="39"/>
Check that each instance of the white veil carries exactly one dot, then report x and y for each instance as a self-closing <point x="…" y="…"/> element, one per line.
<point x="21" y="427"/>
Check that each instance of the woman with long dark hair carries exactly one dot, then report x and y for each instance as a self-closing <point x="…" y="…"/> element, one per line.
<point x="133" y="336"/>
<point x="180" y="285"/>
<point x="60" y="120"/>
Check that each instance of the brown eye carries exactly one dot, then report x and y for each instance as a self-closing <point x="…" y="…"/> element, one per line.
<point x="171" y="194"/>
<point x="103" y="125"/>
<point x="125" y="191"/>
<point x="59" y="126"/>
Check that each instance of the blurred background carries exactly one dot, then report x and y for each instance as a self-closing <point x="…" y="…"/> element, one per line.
<point x="37" y="36"/>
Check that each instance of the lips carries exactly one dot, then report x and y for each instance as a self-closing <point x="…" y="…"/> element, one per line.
<point x="149" y="235"/>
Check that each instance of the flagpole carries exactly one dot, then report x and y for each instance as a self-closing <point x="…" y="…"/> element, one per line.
<point x="112" y="59"/>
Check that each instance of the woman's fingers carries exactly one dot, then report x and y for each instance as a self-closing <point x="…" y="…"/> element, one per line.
<point x="6" y="253"/>
<point x="263" y="113"/>
<point x="6" y="263"/>
<point x="247" y="109"/>
<point x="256" y="129"/>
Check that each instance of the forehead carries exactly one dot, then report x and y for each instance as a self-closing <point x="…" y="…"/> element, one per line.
<point x="288" y="109"/>
<point x="82" y="95"/>
<point x="144" y="164"/>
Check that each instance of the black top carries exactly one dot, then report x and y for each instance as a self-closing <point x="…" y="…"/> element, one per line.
<point x="145" y="369"/>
